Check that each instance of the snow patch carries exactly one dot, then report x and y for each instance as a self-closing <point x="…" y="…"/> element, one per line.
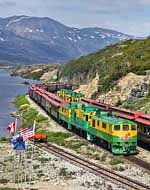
<point x="16" y="20"/>
<point x="79" y="38"/>
<point x="102" y="36"/>
<point x="30" y="30"/>
<point x="108" y="35"/>
<point x="70" y="38"/>
<point x="92" y="37"/>
<point x="2" y="39"/>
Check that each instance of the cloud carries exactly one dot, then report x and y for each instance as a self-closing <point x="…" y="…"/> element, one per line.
<point x="144" y="2"/>
<point x="6" y="4"/>
<point x="127" y="16"/>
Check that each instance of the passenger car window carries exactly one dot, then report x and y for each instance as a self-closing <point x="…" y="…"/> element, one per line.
<point x="104" y="125"/>
<point x="93" y="123"/>
<point x="133" y="127"/>
<point x="117" y="128"/>
<point x="86" y="118"/>
<point x="125" y="127"/>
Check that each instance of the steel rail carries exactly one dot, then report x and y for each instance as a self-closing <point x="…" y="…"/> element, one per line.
<point x="94" y="168"/>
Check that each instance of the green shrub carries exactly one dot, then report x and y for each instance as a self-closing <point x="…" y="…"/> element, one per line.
<point x="20" y="100"/>
<point x="116" y="161"/>
<point x="40" y="118"/>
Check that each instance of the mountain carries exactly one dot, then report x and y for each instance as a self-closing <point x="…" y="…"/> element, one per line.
<point x="118" y="74"/>
<point x="110" y="64"/>
<point x="43" y="40"/>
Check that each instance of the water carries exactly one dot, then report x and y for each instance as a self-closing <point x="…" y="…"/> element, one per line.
<point x="9" y="88"/>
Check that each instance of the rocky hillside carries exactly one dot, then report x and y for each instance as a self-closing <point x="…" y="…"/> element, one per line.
<point x="118" y="74"/>
<point x="43" y="40"/>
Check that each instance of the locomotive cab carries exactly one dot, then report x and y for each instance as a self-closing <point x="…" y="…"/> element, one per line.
<point x="124" y="138"/>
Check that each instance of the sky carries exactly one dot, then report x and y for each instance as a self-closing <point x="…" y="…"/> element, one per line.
<point x="127" y="16"/>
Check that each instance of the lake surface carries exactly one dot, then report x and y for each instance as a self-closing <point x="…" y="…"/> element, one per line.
<point x="9" y="88"/>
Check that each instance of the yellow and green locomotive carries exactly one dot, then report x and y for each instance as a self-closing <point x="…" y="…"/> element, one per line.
<point x="120" y="135"/>
<point x="70" y="95"/>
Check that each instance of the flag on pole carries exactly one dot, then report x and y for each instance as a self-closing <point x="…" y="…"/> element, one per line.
<point x="28" y="132"/>
<point x="17" y="142"/>
<point x="12" y="127"/>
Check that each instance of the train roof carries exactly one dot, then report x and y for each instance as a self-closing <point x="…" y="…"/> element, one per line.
<point x="111" y="118"/>
<point x="78" y="105"/>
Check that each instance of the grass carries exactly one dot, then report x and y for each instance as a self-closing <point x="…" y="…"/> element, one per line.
<point x="20" y="100"/>
<point x="28" y="113"/>
<point x="4" y="140"/>
<point x="116" y="161"/>
<point x="44" y="160"/>
<point x="103" y="157"/>
<point x="74" y="145"/>
<point x="142" y="104"/>
<point x="56" y="137"/>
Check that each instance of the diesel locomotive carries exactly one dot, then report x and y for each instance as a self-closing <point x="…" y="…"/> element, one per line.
<point x="120" y="135"/>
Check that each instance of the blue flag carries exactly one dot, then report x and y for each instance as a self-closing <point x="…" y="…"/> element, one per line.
<point x="17" y="142"/>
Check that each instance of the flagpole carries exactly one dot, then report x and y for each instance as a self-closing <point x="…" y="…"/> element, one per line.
<point x="32" y="151"/>
<point x="26" y="166"/>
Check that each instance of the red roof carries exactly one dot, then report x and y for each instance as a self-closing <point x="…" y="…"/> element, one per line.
<point x="143" y="121"/>
<point x="121" y="112"/>
<point x="126" y="116"/>
<point x="50" y="97"/>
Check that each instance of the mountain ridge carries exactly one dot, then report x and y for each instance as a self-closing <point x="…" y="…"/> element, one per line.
<point x="45" y="40"/>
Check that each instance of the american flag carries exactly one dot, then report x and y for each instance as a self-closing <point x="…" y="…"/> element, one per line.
<point x="28" y="132"/>
<point x="12" y="127"/>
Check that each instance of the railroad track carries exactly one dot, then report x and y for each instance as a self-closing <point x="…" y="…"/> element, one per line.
<point x="139" y="162"/>
<point x="94" y="168"/>
<point x="130" y="158"/>
<point x="133" y="159"/>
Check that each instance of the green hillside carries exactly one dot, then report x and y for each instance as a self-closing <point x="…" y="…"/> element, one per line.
<point x="111" y="63"/>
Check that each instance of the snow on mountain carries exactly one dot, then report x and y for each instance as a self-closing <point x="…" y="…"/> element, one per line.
<point x="59" y="43"/>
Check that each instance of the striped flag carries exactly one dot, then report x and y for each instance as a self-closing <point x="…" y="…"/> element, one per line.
<point x="12" y="127"/>
<point x="28" y="132"/>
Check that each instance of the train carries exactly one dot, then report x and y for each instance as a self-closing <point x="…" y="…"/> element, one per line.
<point x="142" y="120"/>
<point x="119" y="135"/>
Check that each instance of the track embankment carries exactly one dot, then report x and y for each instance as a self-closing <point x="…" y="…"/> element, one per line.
<point x="94" y="168"/>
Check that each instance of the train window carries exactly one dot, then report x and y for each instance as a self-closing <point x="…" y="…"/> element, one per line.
<point x="110" y="127"/>
<point x="104" y="125"/>
<point x="93" y="123"/>
<point x="117" y="128"/>
<point x="98" y="123"/>
<point x="86" y="118"/>
<point x="133" y="127"/>
<point x="125" y="127"/>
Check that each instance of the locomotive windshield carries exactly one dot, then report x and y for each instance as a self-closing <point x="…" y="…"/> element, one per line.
<point x="133" y="127"/>
<point x="125" y="127"/>
<point x="117" y="128"/>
